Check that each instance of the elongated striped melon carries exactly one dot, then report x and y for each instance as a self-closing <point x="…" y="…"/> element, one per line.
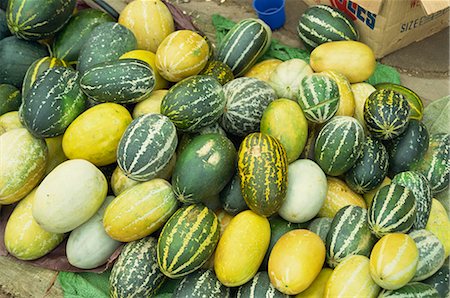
<point x="24" y="238"/>
<point x="413" y="289"/>
<point x="368" y="197"/>
<point x="10" y="98"/>
<point x="349" y="234"/>
<point x="287" y="77"/>
<point x="393" y="261"/>
<point x="200" y="284"/>
<point x="431" y="254"/>
<point x="147" y="146"/>
<point x="351" y="278"/>
<point x="244" y="44"/>
<point x="259" y="286"/>
<point x="140" y="210"/>
<point x="262" y="168"/>
<point x="136" y="271"/>
<point x="181" y="54"/>
<point x="393" y="209"/>
<point x="187" y="240"/>
<point x="23" y="160"/>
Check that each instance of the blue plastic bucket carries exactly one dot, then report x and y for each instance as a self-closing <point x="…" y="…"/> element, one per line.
<point x="271" y="12"/>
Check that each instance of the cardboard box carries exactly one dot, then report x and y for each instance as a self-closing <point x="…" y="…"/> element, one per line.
<point x="389" y="25"/>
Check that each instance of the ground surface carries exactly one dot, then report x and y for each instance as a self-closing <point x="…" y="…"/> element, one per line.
<point x="424" y="68"/>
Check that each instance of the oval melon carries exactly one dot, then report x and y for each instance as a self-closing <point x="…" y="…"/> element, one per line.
<point x="152" y="104"/>
<point x="263" y="69"/>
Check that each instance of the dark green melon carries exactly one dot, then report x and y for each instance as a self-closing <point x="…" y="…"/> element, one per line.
<point x="4" y="30"/>
<point x="422" y="192"/>
<point x="69" y="41"/>
<point x="435" y="165"/>
<point x="386" y="113"/>
<point x="136" y="272"/>
<point x="323" y="23"/>
<point x="16" y="56"/>
<point x="259" y="286"/>
<point x="219" y="70"/>
<point x="121" y="81"/>
<point x="53" y="102"/>
<point x="204" y="167"/>
<point x="441" y="279"/>
<point x="393" y="210"/>
<point x="38" y="19"/>
<point x="201" y="284"/>
<point x="262" y="168"/>
<point x="231" y="197"/>
<point x="10" y="98"/>
<point x="186" y="138"/>
<point x="408" y="148"/>
<point x="321" y="226"/>
<point x="349" y="234"/>
<point x="194" y="103"/>
<point x="106" y="42"/>
<point x="412" y="289"/>
<point x="370" y="168"/>
<point x="339" y="145"/>
<point x="187" y="240"/>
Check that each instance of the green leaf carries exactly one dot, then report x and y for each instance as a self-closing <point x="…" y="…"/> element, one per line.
<point x="84" y="285"/>
<point x="436" y="116"/>
<point x="384" y="74"/>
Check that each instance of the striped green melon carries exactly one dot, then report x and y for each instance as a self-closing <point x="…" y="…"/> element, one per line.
<point x="320" y="226"/>
<point x="319" y="97"/>
<point x="259" y="286"/>
<point x="219" y="70"/>
<point x="68" y="42"/>
<point x="10" y="98"/>
<point x="339" y="145"/>
<point x="349" y="234"/>
<point x="186" y="138"/>
<point x="386" y="113"/>
<point x="431" y="254"/>
<point x="121" y="81"/>
<point x="370" y="168"/>
<point x="136" y="272"/>
<point x="194" y="103"/>
<point x="435" y="165"/>
<point x="23" y="162"/>
<point x="244" y="44"/>
<point x="38" y="68"/>
<point x="33" y="20"/>
<point x="187" y="240"/>
<point x="201" y="284"/>
<point x="146" y="146"/>
<point x="16" y="55"/>
<point x="422" y="192"/>
<point x="413" y="99"/>
<point x="4" y="30"/>
<point x="408" y="148"/>
<point x="53" y="102"/>
<point x="140" y="210"/>
<point x="246" y="100"/>
<point x="106" y="42"/>
<point x="262" y="168"/>
<point x="323" y="23"/>
<point x="231" y="196"/>
<point x="24" y="238"/>
<point x="393" y="210"/>
<point x="204" y="167"/>
<point x="413" y="289"/>
<point x="440" y="279"/>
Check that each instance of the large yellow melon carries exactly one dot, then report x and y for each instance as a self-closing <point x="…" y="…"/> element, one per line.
<point x="317" y="288"/>
<point x="149" y="20"/>
<point x="439" y="224"/>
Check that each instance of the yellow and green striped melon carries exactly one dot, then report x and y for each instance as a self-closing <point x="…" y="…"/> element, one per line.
<point x="149" y="20"/>
<point x="346" y="98"/>
<point x="351" y="278"/>
<point x="393" y="261"/>
<point x="296" y="261"/>
<point x="182" y="54"/>
<point x="361" y="92"/>
<point x="140" y="210"/>
<point x="439" y="224"/>
<point x="339" y="195"/>
<point x="24" y="238"/>
<point x="241" y="248"/>
<point x="368" y="197"/>
<point x="263" y="69"/>
<point x="152" y="104"/>
<point x="317" y="288"/>
<point x="23" y="160"/>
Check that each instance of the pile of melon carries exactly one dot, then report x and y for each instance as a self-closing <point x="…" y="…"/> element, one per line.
<point x="232" y="175"/>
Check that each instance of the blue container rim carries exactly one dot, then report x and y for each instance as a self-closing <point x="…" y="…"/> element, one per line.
<point x="270" y="13"/>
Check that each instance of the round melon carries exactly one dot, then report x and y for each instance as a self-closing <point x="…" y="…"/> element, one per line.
<point x="361" y="92"/>
<point x="296" y="261"/>
<point x="346" y="98"/>
<point x="10" y="121"/>
<point x="95" y="134"/>
<point x="69" y="196"/>
<point x="263" y="69"/>
<point x="150" y="105"/>
<point x="23" y="160"/>
<point x="306" y="191"/>
<point x="393" y="261"/>
<point x="368" y="197"/>
<point x="149" y="20"/>
<point x="182" y="54"/>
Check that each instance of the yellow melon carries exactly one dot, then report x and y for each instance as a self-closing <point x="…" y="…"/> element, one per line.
<point x="263" y="69"/>
<point x="346" y="99"/>
<point x="439" y="224"/>
<point x="152" y="104"/>
<point x="317" y="288"/>
<point x="55" y="153"/>
<point x="9" y="121"/>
